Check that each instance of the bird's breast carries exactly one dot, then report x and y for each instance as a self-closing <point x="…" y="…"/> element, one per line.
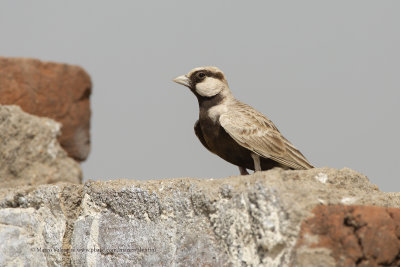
<point x="213" y="113"/>
<point x="221" y="143"/>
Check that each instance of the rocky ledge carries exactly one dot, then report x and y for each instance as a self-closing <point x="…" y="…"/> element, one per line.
<point x="30" y="153"/>
<point x="318" y="217"/>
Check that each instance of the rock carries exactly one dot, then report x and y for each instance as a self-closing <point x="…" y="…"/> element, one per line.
<point x="57" y="91"/>
<point x="29" y="151"/>
<point x="30" y="231"/>
<point x="353" y="235"/>
<point x="34" y="223"/>
<point x="271" y="218"/>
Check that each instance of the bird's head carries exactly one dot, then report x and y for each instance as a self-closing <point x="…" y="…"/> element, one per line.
<point x="205" y="82"/>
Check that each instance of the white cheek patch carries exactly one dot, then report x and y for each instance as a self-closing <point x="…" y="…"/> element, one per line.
<point x="209" y="87"/>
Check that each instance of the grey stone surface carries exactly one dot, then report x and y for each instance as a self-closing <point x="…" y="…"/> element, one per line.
<point x="249" y="220"/>
<point x="29" y="151"/>
<point x="32" y="226"/>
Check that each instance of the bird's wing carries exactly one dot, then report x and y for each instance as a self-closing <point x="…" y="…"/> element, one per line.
<point x="199" y="134"/>
<point x="254" y="131"/>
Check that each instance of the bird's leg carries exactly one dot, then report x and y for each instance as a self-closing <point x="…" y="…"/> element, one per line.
<point x="243" y="171"/>
<point x="256" y="159"/>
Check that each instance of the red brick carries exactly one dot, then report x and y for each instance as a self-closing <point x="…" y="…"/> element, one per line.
<point x="363" y="235"/>
<point x="57" y="91"/>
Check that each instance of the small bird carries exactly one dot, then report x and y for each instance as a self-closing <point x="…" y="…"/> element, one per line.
<point x="235" y="131"/>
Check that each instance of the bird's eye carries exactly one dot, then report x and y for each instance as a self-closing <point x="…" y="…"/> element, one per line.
<point x="201" y="75"/>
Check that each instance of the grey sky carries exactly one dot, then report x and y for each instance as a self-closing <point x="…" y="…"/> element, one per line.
<point x="326" y="73"/>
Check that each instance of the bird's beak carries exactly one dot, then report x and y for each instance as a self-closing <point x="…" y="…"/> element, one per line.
<point x="183" y="79"/>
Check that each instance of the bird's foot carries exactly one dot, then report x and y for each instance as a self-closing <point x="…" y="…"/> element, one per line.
<point x="243" y="171"/>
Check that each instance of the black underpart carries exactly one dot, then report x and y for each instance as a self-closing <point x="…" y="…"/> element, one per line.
<point x="219" y="142"/>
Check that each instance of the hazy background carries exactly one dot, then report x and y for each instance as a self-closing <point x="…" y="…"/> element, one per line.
<point x="326" y="73"/>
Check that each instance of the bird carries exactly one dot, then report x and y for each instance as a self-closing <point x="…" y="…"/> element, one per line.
<point x="235" y="131"/>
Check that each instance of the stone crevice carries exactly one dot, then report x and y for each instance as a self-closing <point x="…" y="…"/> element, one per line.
<point x="349" y="222"/>
<point x="71" y="204"/>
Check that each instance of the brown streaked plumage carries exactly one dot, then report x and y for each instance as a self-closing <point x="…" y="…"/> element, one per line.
<point x="235" y="131"/>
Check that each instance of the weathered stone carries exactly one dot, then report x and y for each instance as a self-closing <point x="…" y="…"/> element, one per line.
<point x="32" y="226"/>
<point x="353" y="235"/>
<point x="29" y="151"/>
<point x="57" y="91"/>
<point x="252" y="220"/>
